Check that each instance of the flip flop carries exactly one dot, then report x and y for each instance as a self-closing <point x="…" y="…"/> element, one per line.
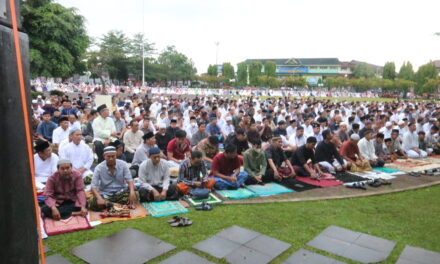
<point x="204" y="207"/>
<point x="182" y="222"/>
<point x="174" y="219"/>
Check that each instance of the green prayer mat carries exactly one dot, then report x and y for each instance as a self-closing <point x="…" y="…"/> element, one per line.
<point x="212" y="199"/>
<point x="268" y="189"/>
<point x="386" y="170"/>
<point x="240" y="193"/>
<point x="165" y="208"/>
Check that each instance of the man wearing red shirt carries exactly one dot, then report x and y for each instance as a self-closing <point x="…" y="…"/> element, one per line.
<point x="64" y="194"/>
<point x="178" y="149"/>
<point x="226" y="169"/>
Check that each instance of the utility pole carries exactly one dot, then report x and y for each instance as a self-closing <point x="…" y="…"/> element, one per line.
<point x="216" y="52"/>
<point x="143" y="48"/>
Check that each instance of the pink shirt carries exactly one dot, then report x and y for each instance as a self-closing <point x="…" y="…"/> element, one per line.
<point x="59" y="190"/>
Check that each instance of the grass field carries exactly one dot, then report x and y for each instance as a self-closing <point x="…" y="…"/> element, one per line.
<point x="409" y="218"/>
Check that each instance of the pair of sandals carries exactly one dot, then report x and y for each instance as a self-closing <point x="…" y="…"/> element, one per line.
<point x="178" y="221"/>
<point x="204" y="207"/>
<point x="377" y="182"/>
<point x="357" y="185"/>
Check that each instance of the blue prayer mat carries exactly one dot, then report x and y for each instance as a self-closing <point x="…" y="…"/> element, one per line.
<point x="165" y="208"/>
<point x="240" y="193"/>
<point x="268" y="189"/>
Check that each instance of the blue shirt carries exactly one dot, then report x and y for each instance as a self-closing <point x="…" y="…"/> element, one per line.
<point x="109" y="184"/>
<point x="213" y="130"/>
<point x="69" y="111"/>
<point x="46" y="129"/>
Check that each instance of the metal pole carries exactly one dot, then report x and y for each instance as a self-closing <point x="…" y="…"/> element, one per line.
<point x="143" y="48"/>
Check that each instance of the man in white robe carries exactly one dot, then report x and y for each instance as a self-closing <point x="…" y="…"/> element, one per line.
<point x="78" y="153"/>
<point x="410" y="143"/>
<point x="45" y="161"/>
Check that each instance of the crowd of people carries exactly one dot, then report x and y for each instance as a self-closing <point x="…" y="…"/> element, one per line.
<point x="129" y="150"/>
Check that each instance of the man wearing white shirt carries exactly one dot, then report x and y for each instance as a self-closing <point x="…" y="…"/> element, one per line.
<point x="402" y="128"/>
<point x="228" y="128"/>
<point x="298" y="139"/>
<point x="62" y="132"/>
<point x="104" y="131"/>
<point x="387" y="129"/>
<point x="45" y="161"/>
<point x="78" y="153"/>
<point x="367" y="150"/>
<point x="410" y="143"/>
<point x="291" y="130"/>
<point x="191" y="128"/>
<point x="132" y="140"/>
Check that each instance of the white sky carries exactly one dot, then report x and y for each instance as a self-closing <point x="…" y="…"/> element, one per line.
<point x="374" y="31"/>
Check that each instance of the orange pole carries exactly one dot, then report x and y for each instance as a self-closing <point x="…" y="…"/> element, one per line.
<point x="26" y="122"/>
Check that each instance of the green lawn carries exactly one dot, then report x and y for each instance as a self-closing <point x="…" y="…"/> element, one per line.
<point x="409" y="218"/>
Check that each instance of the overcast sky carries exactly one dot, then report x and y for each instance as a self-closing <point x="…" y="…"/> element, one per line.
<point x="374" y="31"/>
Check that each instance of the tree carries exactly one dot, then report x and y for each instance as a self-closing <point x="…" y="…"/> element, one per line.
<point x="389" y="71"/>
<point x="212" y="70"/>
<point x="430" y="86"/>
<point x="254" y="72"/>
<point x="270" y="69"/>
<point x="57" y="38"/>
<point x="242" y="74"/>
<point x="425" y="73"/>
<point x="363" y="69"/>
<point x="404" y="85"/>
<point x="113" y="52"/>
<point x="134" y="53"/>
<point x="406" y="71"/>
<point x="177" y="66"/>
<point x="228" y="70"/>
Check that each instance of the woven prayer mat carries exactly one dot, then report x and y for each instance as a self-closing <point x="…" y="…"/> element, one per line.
<point x="165" y="208"/>
<point x="414" y="165"/>
<point x="372" y="175"/>
<point x="319" y="183"/>
<point x="347" y="177"/>
<point x="71" y="224"/>
<point x="240" y="193"/>
<point x="212" y="199"/>
<point x="268" y="189"/>
<point x="296" y="185"/>
<point x="136" y="213"/>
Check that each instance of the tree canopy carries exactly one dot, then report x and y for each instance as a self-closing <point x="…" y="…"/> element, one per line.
<point x="57" y="38"/>
<point x="389" y="71"/>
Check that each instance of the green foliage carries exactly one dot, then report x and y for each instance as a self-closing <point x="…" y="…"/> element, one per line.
<point x="176" y="65"/>
<point x="34" y="95"/>
<point x="57" y="38"/>
<point x="270" y="69"/>
<point x="212" y="70"/>
<point x="429" y="87"/>
<point x="425" y="73"/>
<point x="135" y="55"/>
<point x="297" y="81"/>
<point x="254" y="72"/>
<point x="363" y="69"/>
<point x="406" y="71"/>
<point x="242" y="74"/>
<point x="267" y="81"/>
<point x="56" y="92"/>
<point x="389" y="71"/>
<point x="228" y="70"/>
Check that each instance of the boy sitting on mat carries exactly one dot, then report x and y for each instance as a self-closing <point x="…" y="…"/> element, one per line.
<point x="193" y="174"/>
<point x="276" y="157"/>
<point x="154" y="174"/>
<point x="226" y="169"/>
<point x="64" y="194"/>
<point x="302" y="155"/>
<point x="109" y="182"/>
<point x="255" y="163"/>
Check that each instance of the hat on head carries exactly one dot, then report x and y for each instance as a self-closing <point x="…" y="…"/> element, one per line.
<point x="73" y="130"/>
<point x="101" y="107"/>
<point x="315" y="125"/>
<point x="153" y="151"/>
<point x="162" y="125"/>
<point x="355" y="137"/>
<point x="64" y="161"/>
<point x="39" y="97"/>
<point x="388" y="124"/>
<point x="34" y="101"/>
<point x="148" y="135"/>
<point x="62" y="119"/>
<point x="41" y="145"/>
<point x="109" y="149"/>
<point x="48" y="102"/>
<point x="228" y="118"/>
<point x="401" y="122"/>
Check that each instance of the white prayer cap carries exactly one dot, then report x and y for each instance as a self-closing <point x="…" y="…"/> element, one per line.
<point x="39" y="97"/>
<point x="342" y="124"/>
<point x="228" y="118"/>
<point x="63" y="161"/>
<point x="162" y="125"/>
<point x="73" y="130"/>
<point x="109" y="149"/>
<point x="34" y="101"/>
<point x="48" y="102"/>
<point x="355" y="137"/>
<point x="388" y="124"/>
<point x="401" y="122"/>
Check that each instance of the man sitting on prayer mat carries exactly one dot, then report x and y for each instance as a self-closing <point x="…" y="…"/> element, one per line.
<point x="141" y="153"/>
<point x="301" y="157"/>
<point x="367" y="150"/>
<point x="154" y="175"/>
<point x="327" y="155"/>
<point x="104" y="131"/>
<point x="209" y="148"/>
<point x="64" y="194"/>
<point x="193" y="174"/>
<point x="255" y="163"/>
<point x="410" y="143"/>
<point x="109" y="183"/>
<point x="276" y="157"/>
<point x="226" y="170"/>
<point x="45" y="161"/>
<point x="45" y="129"/>
<point x="179" y="148"/>
<point x="78" y="152"/>
<point x="396" y="149"/>
<point x="61" y="132"/>
<point x="351" y="153"/>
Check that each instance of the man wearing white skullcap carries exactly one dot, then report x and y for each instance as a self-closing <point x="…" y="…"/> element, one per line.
<point x="78" y="152"/>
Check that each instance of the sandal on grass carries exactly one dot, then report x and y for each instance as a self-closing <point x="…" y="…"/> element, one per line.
<point x="174" y="219"/>
<point x="183" y="221"/>
<point x="204" y="207"/>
